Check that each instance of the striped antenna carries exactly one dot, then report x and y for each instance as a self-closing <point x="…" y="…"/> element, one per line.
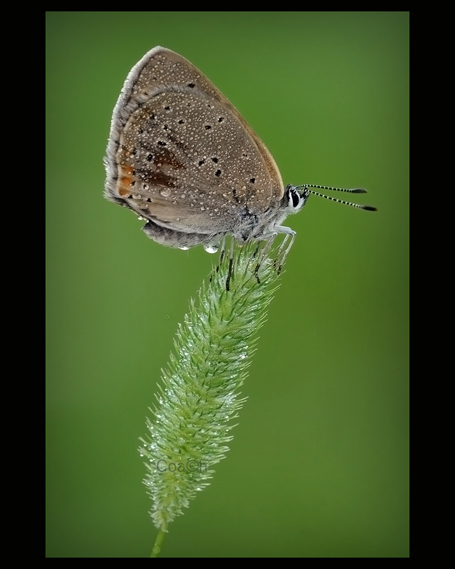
<point x="349" y="190"/>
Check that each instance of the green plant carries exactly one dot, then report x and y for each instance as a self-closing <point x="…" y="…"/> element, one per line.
<point x="199" y="393"/>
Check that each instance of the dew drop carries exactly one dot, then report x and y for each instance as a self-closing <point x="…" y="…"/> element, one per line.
<point x="211" y="248"/>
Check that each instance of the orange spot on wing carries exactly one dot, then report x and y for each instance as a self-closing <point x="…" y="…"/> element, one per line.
<point x="126" y="178"/>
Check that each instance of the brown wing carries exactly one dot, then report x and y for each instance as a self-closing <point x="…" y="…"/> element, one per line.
<point x="181" y="155"/>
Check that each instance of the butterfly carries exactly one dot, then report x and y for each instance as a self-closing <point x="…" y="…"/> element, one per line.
<point x="181" y="157"/>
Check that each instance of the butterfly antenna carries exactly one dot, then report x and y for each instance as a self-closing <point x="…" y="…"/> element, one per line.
<point x="348" y="190"/>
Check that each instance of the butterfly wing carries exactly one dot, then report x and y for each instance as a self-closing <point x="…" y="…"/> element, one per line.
<point x="182" y="156"/>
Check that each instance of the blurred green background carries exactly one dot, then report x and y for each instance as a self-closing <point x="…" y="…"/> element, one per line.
<point x="319" y="462"/>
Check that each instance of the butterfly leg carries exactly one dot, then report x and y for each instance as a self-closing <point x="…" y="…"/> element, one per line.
<point x="285" y="247"/>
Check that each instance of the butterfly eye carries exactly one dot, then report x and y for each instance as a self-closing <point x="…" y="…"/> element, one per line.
<point x="296" y="199"/>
